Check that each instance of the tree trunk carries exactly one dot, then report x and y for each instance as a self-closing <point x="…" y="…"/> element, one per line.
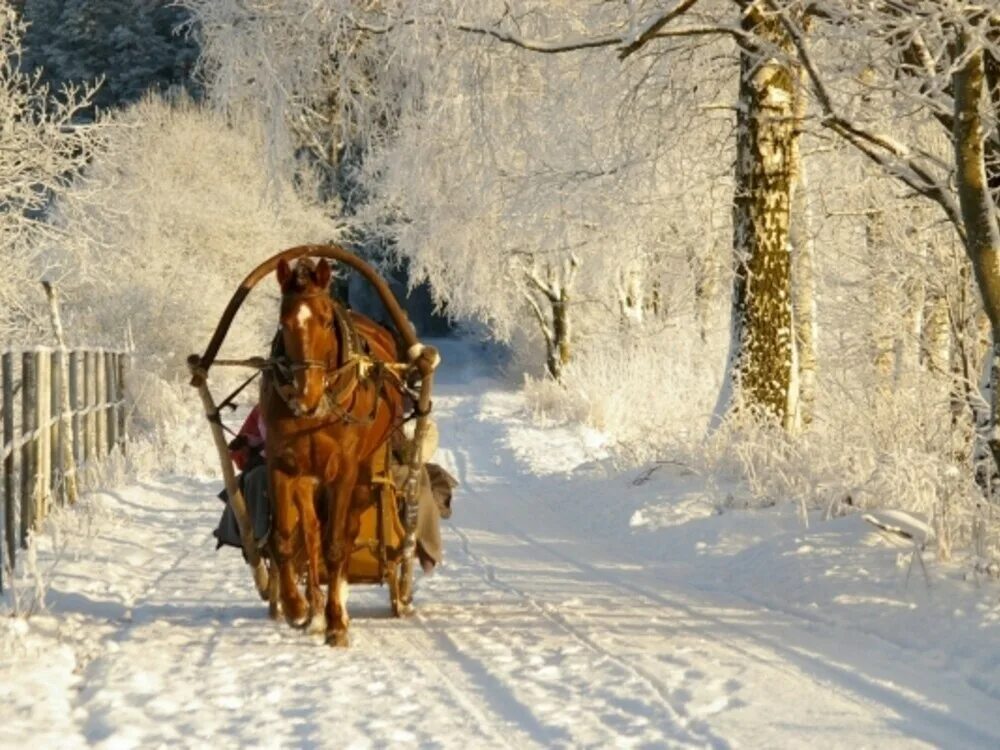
<point x="552" y="292"/>
<point x="762" y="370"/>
<point x="936" y="335"/>
<point x="882" y="335"/>
<point x="803" y="279"/>
<point x="979" y="216"/>
<point x="907" y="358"/>
<point x="559" y="349"/>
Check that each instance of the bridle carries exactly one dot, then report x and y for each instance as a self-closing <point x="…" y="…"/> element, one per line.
<point x="340" y="380"/>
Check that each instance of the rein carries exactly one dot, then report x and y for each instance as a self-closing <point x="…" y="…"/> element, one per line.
<point x="340" y="382"/>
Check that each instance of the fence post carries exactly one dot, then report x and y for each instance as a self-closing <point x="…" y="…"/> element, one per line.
<point x="64" y="403"/>
<point x="43" y="440"/>
<point x="100" y="389"/>
<point x="110" y="417"/>
<point x="120" y="398"/>
<point x="74" y="405"/>
<point x="87" y="419"/>
<point x="9" y="496"/>
<point x="56" y="482"/>
<point x="29" y="423"/>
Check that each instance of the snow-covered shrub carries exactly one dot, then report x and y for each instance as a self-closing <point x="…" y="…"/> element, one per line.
<point x="650" y="391"/>
<point x="165" y="223"/>
<point x="898" y="336"/>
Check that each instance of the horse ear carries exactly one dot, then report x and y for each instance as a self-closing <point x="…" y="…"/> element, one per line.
<point x="322" y="274"/>
<point x="284" y="272"/>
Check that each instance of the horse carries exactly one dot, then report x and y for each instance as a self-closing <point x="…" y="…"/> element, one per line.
<point x="328" y="404"/>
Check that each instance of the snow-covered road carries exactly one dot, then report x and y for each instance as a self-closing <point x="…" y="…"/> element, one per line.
<point x="550" y="626"/>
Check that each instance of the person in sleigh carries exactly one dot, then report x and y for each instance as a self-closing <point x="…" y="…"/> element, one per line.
<point x="246" y="451"/>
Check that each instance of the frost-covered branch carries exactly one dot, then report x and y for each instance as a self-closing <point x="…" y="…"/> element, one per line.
<point x="44" y="140"/>
<point x="880" y="148"/>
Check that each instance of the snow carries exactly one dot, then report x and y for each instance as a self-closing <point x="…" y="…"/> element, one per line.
<point x="578" y="607"/>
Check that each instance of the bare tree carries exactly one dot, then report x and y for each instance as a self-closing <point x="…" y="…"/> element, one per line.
<point x="43" y="141"/>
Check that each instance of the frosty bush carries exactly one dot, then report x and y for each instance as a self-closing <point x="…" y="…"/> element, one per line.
<point x="651" y="390"/>
<point x="164" y="225"/>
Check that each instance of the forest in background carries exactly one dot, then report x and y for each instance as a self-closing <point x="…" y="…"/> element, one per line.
<point x="756" y="236"/>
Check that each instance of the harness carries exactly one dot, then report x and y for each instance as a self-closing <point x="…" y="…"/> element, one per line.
<point x="354" y="366"/>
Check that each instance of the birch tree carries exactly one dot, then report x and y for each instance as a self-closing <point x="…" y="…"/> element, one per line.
<point x="764" y="361"/>
<point x="763" y="371"/>
<point x="937" y="54"/>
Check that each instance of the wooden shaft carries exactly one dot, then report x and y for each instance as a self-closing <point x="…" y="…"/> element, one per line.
<point x="236" y="499"/>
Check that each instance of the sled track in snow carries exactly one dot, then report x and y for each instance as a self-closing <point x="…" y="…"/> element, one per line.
<point x="694" y="732"/>
<point x="863" y="689"/>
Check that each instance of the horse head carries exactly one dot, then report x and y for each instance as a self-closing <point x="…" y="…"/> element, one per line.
<point x="310" y="342"/>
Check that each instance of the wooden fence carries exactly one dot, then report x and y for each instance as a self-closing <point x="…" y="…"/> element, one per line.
<point x="62" y="412"/>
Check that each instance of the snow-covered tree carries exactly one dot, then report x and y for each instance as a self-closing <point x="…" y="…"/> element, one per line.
<point x="166" y="221"/>
<point x="496" y="190"/>
<point x="317" y="74"/>
<point x="41" y="146"/>
<point x="934" y="65"/>
<point x="764" y="376"/>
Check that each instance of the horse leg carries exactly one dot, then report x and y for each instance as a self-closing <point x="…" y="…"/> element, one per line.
<point x="273" y="588"/>
<point x="338" y="551"/>
<point x="286" y="526"/>
<point x="307" y="490"/>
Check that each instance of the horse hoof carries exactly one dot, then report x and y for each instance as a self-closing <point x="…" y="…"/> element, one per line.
<point x="337" y="639"/>
<point x="402" y="609"/>
<point x="297" y="613"/>
<point x="298" y="621"/>
<point x="318" y="623"/>
<point x="274" y="610"/>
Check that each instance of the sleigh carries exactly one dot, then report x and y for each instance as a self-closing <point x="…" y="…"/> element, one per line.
<point x="384" y="548"/>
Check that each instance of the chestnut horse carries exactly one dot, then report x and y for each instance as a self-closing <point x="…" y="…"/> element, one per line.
<point x="327" y="405"/>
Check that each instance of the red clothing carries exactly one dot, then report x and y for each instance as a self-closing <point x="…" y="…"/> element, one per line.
<point x="253" y="433"/>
